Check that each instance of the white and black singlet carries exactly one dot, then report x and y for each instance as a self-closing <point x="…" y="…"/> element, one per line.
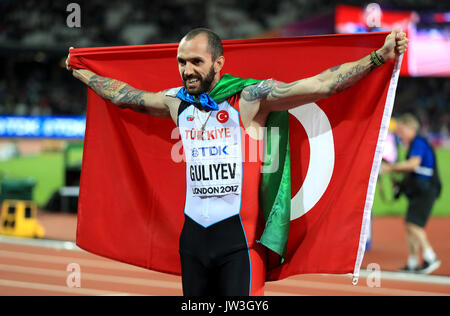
<point x="218" y="249"/>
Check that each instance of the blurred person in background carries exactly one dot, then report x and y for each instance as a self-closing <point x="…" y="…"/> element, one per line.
<point x="422" y="186"/>
<point x="390" y="156"/>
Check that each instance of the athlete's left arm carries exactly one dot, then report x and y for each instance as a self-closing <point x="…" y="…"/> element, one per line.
<point x="278" y="96"/>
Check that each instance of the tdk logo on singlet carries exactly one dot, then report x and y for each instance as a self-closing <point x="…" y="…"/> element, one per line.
<point x="208" y="151"/>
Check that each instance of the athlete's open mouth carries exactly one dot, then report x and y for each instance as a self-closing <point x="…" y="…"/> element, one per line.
<point x="193" y="81"/>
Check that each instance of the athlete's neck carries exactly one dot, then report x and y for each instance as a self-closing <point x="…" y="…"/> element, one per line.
<point x="214" y="83"/>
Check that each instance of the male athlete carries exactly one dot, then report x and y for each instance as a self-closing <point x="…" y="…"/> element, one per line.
<point x="218" y="249"/>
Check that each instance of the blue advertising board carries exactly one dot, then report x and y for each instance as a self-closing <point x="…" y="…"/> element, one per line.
<point x="43" y="126"/>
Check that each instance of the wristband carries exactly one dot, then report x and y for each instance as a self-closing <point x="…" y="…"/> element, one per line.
<point x="377" y="60"/>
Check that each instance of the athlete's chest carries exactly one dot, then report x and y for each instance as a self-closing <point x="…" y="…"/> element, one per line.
<point x="209" y="126"/>
<point x="211" y="136"/>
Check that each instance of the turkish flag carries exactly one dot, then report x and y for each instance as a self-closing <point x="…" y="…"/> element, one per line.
<point x="336" y="147"/>
<point x="132" y="193"/>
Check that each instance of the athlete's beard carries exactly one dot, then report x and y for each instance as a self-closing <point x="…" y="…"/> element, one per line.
<point x="205" y="83"/>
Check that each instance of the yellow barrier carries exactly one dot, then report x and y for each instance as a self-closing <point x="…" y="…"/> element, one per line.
<point x="18" y="219"/>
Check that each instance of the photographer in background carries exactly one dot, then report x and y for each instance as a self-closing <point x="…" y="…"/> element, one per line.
<point x="422" y="186"/>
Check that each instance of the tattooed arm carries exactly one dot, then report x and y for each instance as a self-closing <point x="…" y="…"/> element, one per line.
<point x="276" y="96"/>
<point x="124" y="95"/>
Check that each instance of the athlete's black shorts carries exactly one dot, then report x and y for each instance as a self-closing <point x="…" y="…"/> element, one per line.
<point x="215" y="261"/>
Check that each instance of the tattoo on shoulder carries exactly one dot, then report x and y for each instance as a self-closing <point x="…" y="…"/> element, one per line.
<point x="131" y="96"/>
<point x="257" y="91"/>
<point x="281" y="89"/>
<point x="332" y="69"/>
<point x="116" y="91"/>
<point x="264" y="88"/>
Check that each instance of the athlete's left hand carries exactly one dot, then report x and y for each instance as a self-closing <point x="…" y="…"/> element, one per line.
<point x="395" y="44"/>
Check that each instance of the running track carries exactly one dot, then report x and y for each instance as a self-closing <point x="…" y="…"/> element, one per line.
<point x="42" y="270"/>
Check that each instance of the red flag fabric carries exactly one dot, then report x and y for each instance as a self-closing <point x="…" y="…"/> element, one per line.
<point x="132" y="192"/>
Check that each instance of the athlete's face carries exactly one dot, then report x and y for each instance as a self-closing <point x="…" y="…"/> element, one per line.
<point x="197" y="69"/>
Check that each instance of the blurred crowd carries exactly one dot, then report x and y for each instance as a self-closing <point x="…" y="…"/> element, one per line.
<point x="428" y="99"/>
<point x="34" y="38"/>
<point x="42" y="23"/>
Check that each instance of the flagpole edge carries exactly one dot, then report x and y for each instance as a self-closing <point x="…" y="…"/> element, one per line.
<point x="388" y="107"/>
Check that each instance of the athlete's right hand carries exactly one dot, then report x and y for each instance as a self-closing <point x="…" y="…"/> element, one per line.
<point x="67" y="61"/>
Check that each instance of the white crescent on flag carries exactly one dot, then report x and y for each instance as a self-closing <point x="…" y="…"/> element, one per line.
<point x="321" y="160"/>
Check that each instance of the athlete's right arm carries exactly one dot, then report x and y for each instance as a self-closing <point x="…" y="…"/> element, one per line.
<point x="123" y="94"/>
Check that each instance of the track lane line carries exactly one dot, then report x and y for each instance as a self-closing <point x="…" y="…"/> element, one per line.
<point x="300" y="284"/>
<point x="59" y="289"/>
<point x="297" y="284"/>
<point x="92" y="277"/>
<point x="98" y="263"/>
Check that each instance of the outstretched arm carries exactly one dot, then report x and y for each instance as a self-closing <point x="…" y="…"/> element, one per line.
<point x="123" y="94"/>
<point x="277" y="96"/>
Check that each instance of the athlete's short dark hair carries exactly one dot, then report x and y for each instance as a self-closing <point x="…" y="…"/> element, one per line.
<point x="214" y="41"/>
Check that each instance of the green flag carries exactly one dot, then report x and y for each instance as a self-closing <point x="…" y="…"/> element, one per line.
<point x="275" y="186"/>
